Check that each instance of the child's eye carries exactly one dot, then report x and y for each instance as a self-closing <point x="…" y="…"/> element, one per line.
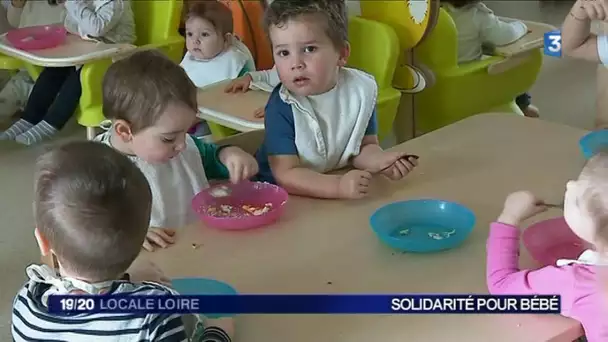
<point x="310" y="49"/>
<point x="189" y="34"/>
<point x="283" y="53"/>
<point x="168" y="140"/>
<point x="205" y="34"/>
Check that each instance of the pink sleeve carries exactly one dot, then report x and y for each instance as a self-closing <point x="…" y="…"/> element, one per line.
<point x="505" y="277"/>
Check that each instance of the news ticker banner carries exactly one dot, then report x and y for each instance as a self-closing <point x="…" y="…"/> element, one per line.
<point x="307" y="304"/>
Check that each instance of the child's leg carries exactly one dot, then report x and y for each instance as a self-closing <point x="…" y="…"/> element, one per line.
<point x="43" y="94"/>
<point x="524" y="103"/>
<point x="59" y="112"/>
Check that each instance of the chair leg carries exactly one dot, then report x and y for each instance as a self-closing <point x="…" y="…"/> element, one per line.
<point x="90" y="133"/>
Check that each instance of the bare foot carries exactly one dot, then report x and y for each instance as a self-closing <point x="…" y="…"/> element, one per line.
<point x="531" y="112"/>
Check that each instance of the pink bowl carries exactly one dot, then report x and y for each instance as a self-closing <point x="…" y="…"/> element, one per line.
<point x="37" y="37"/>
<point x="235" y="217"/>
<point x="550" y="240"/>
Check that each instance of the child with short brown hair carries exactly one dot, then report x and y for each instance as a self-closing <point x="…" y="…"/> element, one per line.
<point x="92" y="209"/>
<point x="322" y="116"/>
<point x="151" y="104"/>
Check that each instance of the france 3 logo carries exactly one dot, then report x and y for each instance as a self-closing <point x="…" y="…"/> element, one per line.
<point x="553" y="44"/>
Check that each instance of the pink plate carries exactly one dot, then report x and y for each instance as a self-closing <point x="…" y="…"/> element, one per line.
<point x="550" y="240"/>
<point x="229" y="210"/>
<point x="37" y="37"/>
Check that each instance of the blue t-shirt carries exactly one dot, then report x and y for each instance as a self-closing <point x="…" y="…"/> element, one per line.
<point x="280" y="134"/>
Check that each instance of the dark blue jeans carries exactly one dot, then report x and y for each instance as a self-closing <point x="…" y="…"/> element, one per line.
<point x="55" y="97"/>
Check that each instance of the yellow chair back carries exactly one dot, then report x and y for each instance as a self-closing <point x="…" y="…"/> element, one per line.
<point x="375" y="49"/>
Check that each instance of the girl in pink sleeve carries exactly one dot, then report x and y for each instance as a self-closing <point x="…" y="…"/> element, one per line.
<point x="581" y="283"/>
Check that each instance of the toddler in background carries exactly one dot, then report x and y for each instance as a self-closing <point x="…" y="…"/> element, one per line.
<point x="56" y="93"/>
<point x="23" y="13"/>
<point x="214" y="53"/>
<point x="582" y="283"/>
<point x="92" y="208"/>
<point x="477" y="27"/>
<point x="322" y="116"/>
<point x="151" y="104"/>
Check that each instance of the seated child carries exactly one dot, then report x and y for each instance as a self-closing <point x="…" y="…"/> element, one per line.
<point x="57" y="90"/>
<point x="478" y="26"/>
<point x="322" y="116"/>
<point x="581" y="283"/>
<point x="151" y="104"/>
<point x="214" y="54"/>
<point x="92" y="208"/>
<point x="23" y="13"/>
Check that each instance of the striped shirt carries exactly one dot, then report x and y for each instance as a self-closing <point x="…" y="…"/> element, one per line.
<point x="31" y="320"/>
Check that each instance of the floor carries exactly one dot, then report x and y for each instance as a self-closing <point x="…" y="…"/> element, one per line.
<point x="553" y="94"/>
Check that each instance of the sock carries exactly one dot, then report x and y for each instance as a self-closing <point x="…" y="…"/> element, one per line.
<point x="16" y="129"/>
<point x="36" y="134"/>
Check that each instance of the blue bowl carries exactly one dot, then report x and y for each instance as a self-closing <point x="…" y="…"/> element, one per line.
<point x="594" y="142"/>
<point x="422" y="226"/>
<point x="203" y="286"/>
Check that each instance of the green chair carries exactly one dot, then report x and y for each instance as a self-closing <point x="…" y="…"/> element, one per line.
<point x="460" y="91"/>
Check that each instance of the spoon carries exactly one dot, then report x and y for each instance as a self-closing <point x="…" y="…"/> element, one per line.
<point x="406" y="157"/>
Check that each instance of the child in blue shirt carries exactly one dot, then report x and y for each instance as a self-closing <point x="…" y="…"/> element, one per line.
<point x="322" y="116"/>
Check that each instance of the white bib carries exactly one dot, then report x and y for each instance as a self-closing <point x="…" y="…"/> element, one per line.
<point x="173" y="185"/>
<point x="329" y="127"/>
<point x="227" y="65"/>
<point x="588" y="257"/>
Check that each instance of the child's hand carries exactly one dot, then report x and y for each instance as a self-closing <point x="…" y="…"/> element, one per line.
<point x="240" y="84"/>
<point x="240" y="164"/>
<point x="145" y="270"/>
<point x="18" y="3"/>
<point x="402" y="164"/>
<point x="159" y="237"/>
<point x="259" y="113"/>
<point x="590" y="10"/>
<point x="354" y="184"/>
<point x="520" y="206"/>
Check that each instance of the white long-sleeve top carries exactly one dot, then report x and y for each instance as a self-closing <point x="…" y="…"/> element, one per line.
<point x="477" y="26"/>
<point x="111" y="19"/>
<point x="34" y="13"/>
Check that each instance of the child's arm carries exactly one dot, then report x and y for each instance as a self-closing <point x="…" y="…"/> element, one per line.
<point x="495" y="31"/>
<point x="270" y="77"/>
<point x="289" y="173"/>
<point x="210" y="154"/>
<point x="577" y="39"/>
<point x="14" y="11"/>
<point x="503" y="273"/>
<point x="226" y="162"/>
<point x="95" y="21"/>
<point x="370" y="146"/>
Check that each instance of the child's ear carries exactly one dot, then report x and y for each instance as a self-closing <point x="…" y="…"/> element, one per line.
<point x="344" y="54"/>
<point x="122" y="130"/>
<point x="43" y="243"/>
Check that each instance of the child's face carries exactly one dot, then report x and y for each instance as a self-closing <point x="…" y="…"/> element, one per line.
<point x="166" y="139"/>
<point x="203" y="41"/>
<point x="307" y="62"/>
<point x="578" y="219"/>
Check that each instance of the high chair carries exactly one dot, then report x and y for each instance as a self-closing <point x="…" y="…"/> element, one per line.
<point x="375" y="49"/>
<point x="156" y="24"/>
<point x="460" y="91"/>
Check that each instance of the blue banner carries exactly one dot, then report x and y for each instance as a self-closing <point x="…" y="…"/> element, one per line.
<point x="306" y="304"/>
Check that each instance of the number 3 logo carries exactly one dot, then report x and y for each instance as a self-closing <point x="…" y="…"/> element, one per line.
<point x="556" y="43"/>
